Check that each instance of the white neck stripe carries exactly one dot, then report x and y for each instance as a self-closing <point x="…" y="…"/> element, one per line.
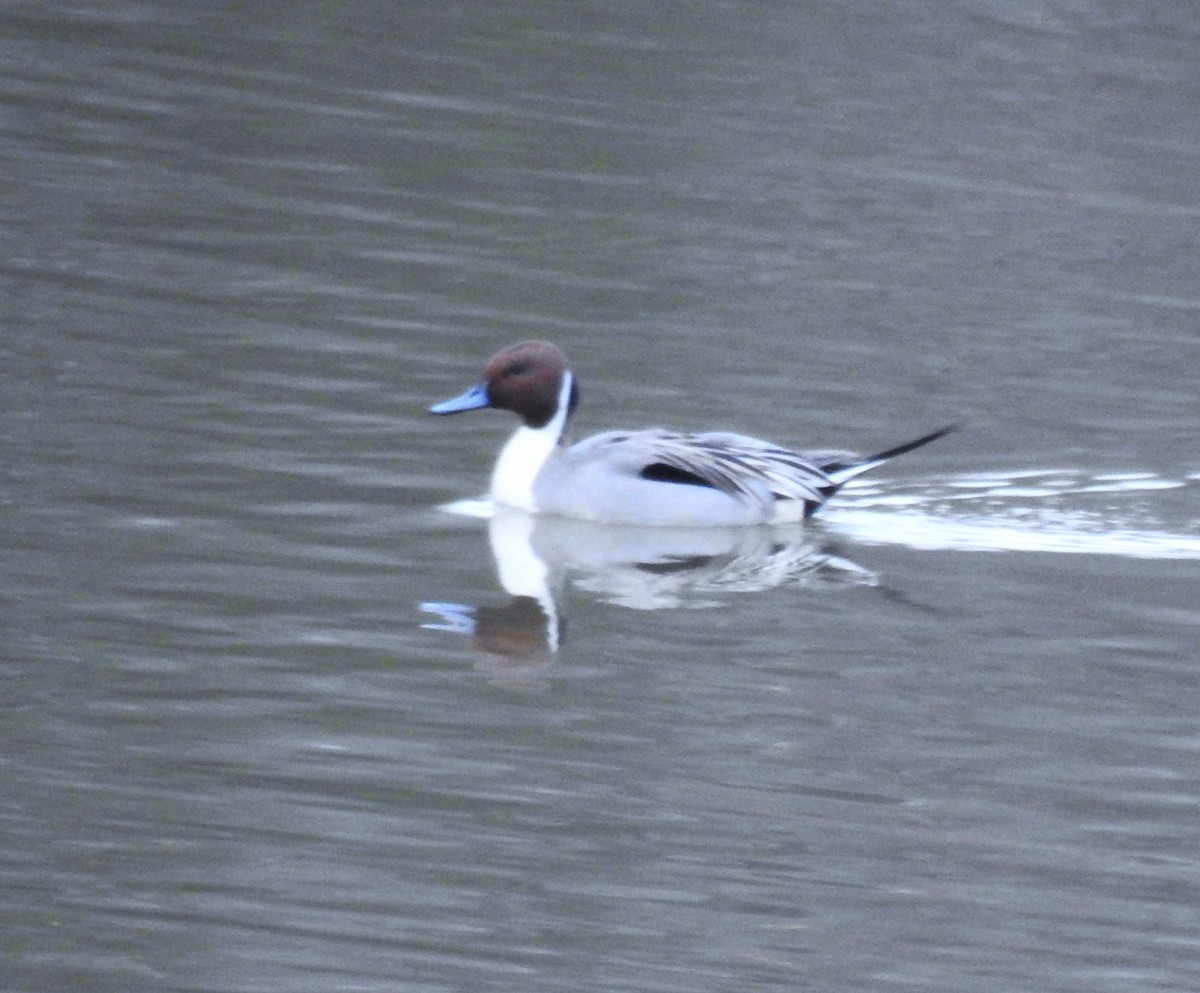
<point x="526" y="452"/>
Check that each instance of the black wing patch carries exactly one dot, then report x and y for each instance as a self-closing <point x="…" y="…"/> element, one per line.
<point x="660" y="472"/>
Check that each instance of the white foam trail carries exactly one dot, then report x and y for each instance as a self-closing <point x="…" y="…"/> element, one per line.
<point x="927" y="531"/>
<point x="1046" y="510"/>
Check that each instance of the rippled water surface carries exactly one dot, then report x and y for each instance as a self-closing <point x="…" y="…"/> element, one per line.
<point x="286" y="707"/>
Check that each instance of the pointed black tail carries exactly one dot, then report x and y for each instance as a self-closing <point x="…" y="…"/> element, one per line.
<point x="891" y="453"/>
<point x="843" y="473"/>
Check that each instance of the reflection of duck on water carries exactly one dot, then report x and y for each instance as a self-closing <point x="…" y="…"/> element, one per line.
<point x="640" y="568"/>
<point x="656" y="568"/>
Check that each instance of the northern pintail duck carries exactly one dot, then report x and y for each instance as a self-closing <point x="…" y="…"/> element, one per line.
<point x="649" y="477"/>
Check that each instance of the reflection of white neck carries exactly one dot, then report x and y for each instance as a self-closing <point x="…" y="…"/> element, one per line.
<point x="523" y="573"/>
<point x="526" y="452"/>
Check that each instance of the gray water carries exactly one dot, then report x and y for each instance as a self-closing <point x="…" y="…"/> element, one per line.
<point x="275" y="717"/>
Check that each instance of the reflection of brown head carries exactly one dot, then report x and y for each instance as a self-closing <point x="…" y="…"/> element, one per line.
<point x="515" y="637"/>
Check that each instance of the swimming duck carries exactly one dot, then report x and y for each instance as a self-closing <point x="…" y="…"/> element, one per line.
<point x="649" y="477"/>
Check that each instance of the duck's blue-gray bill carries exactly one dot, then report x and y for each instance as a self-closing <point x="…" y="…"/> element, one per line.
<point x="473" y="399"/>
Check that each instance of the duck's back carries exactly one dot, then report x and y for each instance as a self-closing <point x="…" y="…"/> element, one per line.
<point x="659" y="478"/>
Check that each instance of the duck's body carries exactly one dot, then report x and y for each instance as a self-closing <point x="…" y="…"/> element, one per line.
<point x="649" y="477"/>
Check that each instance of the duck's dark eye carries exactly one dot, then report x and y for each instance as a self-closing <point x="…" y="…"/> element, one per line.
<point x="517" y="369"/>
